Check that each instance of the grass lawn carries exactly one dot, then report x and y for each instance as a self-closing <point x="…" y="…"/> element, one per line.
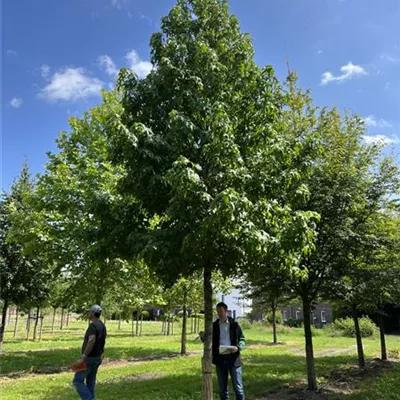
<point x="266" y="368"/>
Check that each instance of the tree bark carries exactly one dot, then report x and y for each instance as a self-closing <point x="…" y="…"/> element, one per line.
<point x="184" y="320"/>
<point x="382" y="336"/>
<point x="28" y="325"/>
<point x="168" y="324"/>
<point x="54" y="319"/>
<point x="3" y="322"/>
<point x="207" y="387"/>
<point x="41" y="328"/>
<point x="62" y="319"/>
<point x="67" y="318"/>
<point x="137" y="323"/>
<point x="36" y="323"/>
<point x="16" y="323"/>
<point x="311" y="375"/>
<point x="360" y="350"/>
<point x="274" y="334"/>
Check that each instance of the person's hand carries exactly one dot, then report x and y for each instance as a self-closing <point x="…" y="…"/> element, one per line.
<point x="234" y="349"/>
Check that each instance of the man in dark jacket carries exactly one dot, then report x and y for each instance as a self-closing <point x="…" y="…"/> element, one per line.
<point x="92" y="355"/>
<point x="227" y="342"/>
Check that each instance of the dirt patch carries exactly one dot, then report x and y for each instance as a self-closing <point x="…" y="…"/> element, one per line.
<point x="339" y="382"/>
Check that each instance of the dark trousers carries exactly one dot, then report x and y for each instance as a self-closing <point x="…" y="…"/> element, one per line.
<point x="236" y="375"/>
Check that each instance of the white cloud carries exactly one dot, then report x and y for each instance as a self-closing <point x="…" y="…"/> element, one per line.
<point x="140" y="67"/>
<point x="390" y="58"/>
<point x="16" y="102"/>
<point x="11" y="52"/>
<point x="376" y="123"/>
<point x="71" y="84"/>
<point x="45" y="71"/>
<point x="108" y="64"/>
<point x="349" y="71"/>
<point x="118" y="3"/>
<point x="381" y="139"/>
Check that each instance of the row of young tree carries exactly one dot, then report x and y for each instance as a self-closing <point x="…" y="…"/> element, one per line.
<point x="209" y="165"/>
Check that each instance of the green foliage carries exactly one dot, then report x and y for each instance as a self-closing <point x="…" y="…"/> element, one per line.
<point x="345" y="327"/>
<point x="293" y="323"/>
<point x="244" y="323"/>
<point x="278" y="318"/>
<point x="145" y="314"/>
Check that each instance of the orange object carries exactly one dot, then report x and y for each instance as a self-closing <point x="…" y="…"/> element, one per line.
<point x="79" y="366"/>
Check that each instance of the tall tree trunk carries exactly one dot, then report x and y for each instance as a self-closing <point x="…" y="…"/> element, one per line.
<point x="382" y="336"/>
<point x="16" y="323"/>
<point x="137" y="323"/>
<point x="62" y="319"/>
<point x="54" y="319"/>
<point x="311" y="375"/>
<point x="3" y="322"/>
<point x="207" y="387"/>
<point x="191" y="324"/>
<point x="36" y="323"/>
<point x="28" y="325"/>
<point x="195" y="323"/>
<point x="9" y="316"/>
<point x="360" y="350"/>
<point x="184" y="320"/>
<point x="274" y="334"/>
<point x="168" y="324"/>
<point x="41" y="328"/>
<point x="67" y="318"/>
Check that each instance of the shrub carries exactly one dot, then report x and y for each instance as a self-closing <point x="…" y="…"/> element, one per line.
<point x="145" y="314"/>
<point x="293" y="323"/>
<point x="345" y="327"/>
<point x="244" y="323"/>
<point x="278" y="317"/>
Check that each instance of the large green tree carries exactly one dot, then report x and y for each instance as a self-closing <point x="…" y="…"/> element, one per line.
<point x="199" y="143"/>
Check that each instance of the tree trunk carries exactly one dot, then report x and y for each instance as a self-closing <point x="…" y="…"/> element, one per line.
<point x="28" y="325"/>
<point x="137" y="323"/>
<point x="191" y="324"/>
<point x="207" y="387"/>
<point x="3" y="322"/>
<point x="36" y="323"/>
<point x="163" y="326"/>
<point x="133" y="325"/>
<point x="382" y="336"/>
<point x="168" y="325"/>
<point x="67" y="318"/>
<point x="360" y="350"/>
<point x="9" y="317"/>
<point x="184" y="320"/>
<point x="311" y="375"/>
<point x="41" y="328"/>
<point x="195" y="323"/>
<point x="54" y="319"/>
<point x="62" y="319"/>
<point x="274" y="334"/>
<point x="16" y="323"/>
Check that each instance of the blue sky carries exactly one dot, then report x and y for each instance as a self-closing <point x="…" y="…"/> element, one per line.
<point x="57" y="55"/>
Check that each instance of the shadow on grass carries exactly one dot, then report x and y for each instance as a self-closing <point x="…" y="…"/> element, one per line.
<point x="262" y="374"/>
<point x="48" y="361"/>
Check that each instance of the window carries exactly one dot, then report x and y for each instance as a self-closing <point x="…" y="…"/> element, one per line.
<point x="297" y="314"/>
<point x="323" y="316"/>
<point x="285" y="315"/>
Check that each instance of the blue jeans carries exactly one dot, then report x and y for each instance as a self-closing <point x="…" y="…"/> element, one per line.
<point x="237" y="381"/>
<point x="86" y="391"/>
